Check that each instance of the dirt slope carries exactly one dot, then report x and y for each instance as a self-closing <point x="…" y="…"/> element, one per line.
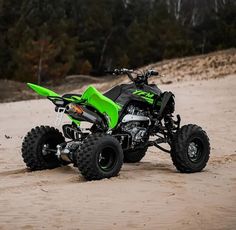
<point x="147" y="195"/>
<point x="207" y="66"/>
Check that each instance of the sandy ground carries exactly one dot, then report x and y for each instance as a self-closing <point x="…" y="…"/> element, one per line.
<point x="146" y="195"/>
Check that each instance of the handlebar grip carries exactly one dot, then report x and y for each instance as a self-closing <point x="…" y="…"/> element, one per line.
<point x="114" y="72"/>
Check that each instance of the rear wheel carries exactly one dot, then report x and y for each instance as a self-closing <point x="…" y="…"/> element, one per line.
<point x="134" y="156"/>
<point x="190" y="149"/>
<point x="100" y="156"/>
<point x="39" y="148"/>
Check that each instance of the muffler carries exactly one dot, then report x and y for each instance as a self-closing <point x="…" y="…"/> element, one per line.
<point x="83" y="114"/>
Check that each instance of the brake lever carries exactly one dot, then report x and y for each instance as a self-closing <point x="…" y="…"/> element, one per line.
<point x="152" y="72"/>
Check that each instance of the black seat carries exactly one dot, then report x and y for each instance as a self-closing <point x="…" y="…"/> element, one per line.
<point x="68" y="95"/>
<point x="113" y="93"/>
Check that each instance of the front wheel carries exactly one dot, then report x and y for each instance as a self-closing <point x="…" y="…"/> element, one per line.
<point x="190" y="149"/>
<point x="100" y="156"/>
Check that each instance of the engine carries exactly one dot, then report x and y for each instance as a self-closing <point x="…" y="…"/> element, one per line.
<point x="136" y="123"/>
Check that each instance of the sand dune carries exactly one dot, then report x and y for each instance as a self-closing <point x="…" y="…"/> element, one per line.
<point x="147" y="195"/>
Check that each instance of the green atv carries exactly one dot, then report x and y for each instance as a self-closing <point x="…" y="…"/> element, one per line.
<point x="122" y="121"/>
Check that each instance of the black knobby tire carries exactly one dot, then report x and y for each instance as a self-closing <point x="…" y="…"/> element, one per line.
<point x="134" y="156"/>
<point x="190" y="149"/>
<point x="100" y="156"/>
<point x="32" y="148"/>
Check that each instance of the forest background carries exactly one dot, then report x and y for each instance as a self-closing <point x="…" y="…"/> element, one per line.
<point x="44" y="41"/>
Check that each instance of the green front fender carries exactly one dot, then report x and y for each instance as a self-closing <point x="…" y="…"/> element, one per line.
<point x="103" y="104"/>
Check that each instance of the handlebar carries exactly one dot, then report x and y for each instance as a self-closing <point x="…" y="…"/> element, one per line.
<point x="140" y="78"/>
<point x="119" y="71"/>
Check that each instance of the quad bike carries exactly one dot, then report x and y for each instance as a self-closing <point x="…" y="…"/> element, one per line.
<point x="126" y="120"/>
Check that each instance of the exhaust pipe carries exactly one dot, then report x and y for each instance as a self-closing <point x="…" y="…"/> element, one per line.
<point x="79" y="112"/>
<point x="82" y="113"/>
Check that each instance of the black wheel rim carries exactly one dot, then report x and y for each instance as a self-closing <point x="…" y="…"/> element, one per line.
<point x="107" y="159"/>
<point x="195" y="150"/>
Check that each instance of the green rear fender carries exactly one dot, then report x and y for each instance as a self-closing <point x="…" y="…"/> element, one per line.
<point x="92" y="97"/>
<point x="48" y="93"/>
<point x="103" y="104"/>
<point x="43" y="91"/>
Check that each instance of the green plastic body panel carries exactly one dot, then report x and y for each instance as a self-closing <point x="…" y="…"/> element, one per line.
<point x="91" y="97"/>
<point x="145" y="95"/>
<point x="103" y="104"/>
<point x="49" y="93"/>
<point x="42" y="91"/>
